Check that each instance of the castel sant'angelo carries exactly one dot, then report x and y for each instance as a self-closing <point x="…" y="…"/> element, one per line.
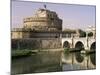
<point x="45" y="27"/>
<point x="44" y="20"/>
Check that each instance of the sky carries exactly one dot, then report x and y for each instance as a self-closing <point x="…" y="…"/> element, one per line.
<point x="73" y="16"/>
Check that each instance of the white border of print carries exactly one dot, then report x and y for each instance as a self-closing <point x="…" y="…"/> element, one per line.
<point x="5" y="37"/>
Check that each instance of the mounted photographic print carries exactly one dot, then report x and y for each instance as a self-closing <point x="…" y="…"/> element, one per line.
<point x="52" y="37"/>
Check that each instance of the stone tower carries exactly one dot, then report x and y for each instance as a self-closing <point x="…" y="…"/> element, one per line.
<point x="43" y="20"/>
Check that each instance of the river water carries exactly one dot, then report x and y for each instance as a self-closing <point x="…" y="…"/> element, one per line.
<point x="49" y="61"/>
<point x="77" y="61"/>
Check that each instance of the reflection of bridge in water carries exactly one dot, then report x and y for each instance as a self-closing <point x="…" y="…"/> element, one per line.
<point x="81" y="51"/>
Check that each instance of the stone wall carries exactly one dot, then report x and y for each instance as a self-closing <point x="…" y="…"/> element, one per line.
<point x="35" y="43"/>
<point x="51" y="43"/>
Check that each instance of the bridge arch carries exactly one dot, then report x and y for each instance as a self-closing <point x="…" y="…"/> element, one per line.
<point x="80" y="46"/>
<point x="66" y="44"/>
<point x="93" y="46"/>
<point x="93" y="55"/>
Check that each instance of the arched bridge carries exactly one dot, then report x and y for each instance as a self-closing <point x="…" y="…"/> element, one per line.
<point x="81" y="45"/>
<point x="84" y="43"/>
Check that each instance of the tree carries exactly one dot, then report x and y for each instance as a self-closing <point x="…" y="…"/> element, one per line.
<point x="90" y="34"/>
<point x="81" y="33"/>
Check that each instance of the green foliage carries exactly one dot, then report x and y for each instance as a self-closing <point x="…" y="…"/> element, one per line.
<point x="16" y="53"/>
<point x="66" y="50"/>
<point x="90" y="34"/>
<point x="81" y="33"/>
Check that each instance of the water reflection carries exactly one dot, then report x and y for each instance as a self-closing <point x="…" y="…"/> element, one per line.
<point x="40" y="62"/>
<point x="79" y="57"/>
<point x="49" y="61"/>
<point x="78" y="61"/>
<point x="93" y="58"/>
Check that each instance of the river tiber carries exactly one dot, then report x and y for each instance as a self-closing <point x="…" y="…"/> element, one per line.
<point x="41" y="45"/>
